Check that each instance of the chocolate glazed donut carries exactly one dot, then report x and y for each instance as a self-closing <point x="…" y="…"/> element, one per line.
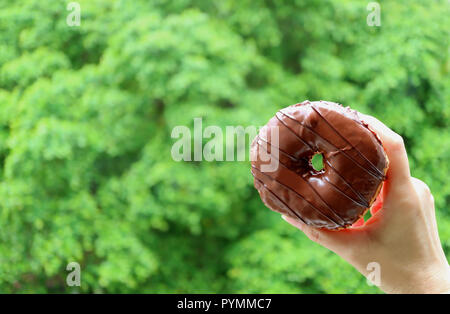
<point x="354" y="160"/>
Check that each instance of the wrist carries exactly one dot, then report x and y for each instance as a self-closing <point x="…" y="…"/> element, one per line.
<point x="430" y="281"/>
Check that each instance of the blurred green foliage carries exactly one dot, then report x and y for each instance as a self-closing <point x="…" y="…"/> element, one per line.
<point x="86" y="115"/>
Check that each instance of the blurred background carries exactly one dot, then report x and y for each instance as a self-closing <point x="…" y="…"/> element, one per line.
<point x="86" y="114"/>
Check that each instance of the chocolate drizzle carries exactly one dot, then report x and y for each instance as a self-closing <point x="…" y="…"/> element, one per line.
<point x="357" y="150"/>
<point x="364" y="201"/>
<point x="299" y="195"/>
<point x="342" y="151"/>
<point x="304" y="160"/>
<point x="336" y="196"/>
<point x="292" y="131"/>
<point x="279" y="199"/>
<point x="312" y="188"/>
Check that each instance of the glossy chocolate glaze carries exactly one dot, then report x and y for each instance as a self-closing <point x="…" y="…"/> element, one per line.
<point x="354" y="164"/>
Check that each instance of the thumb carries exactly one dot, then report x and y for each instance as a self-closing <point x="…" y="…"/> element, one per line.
<point x="398" y="175"/>
<point x="398" y="171"/>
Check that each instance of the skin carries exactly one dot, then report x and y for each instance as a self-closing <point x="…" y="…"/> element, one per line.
<point x="401" y="236"/>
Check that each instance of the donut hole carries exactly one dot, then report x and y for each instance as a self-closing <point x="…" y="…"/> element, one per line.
<point x="317" y="162"/>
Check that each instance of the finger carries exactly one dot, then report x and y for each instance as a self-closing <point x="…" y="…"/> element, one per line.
<point x="398" y="171"/>
<point x="333" y="240"/>
<point x="424" y="194"/>
<point x="427" y="199"/>
<point x="422" y="188"/>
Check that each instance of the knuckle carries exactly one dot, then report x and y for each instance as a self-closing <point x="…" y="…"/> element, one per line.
<point x="421" y="186"/>
<point x="398" y="142"/>
<point x="427" y="189"/>
<point x="422" y="189"/>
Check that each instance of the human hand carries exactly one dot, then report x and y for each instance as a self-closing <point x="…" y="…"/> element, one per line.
<point x="401" y="236"/>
